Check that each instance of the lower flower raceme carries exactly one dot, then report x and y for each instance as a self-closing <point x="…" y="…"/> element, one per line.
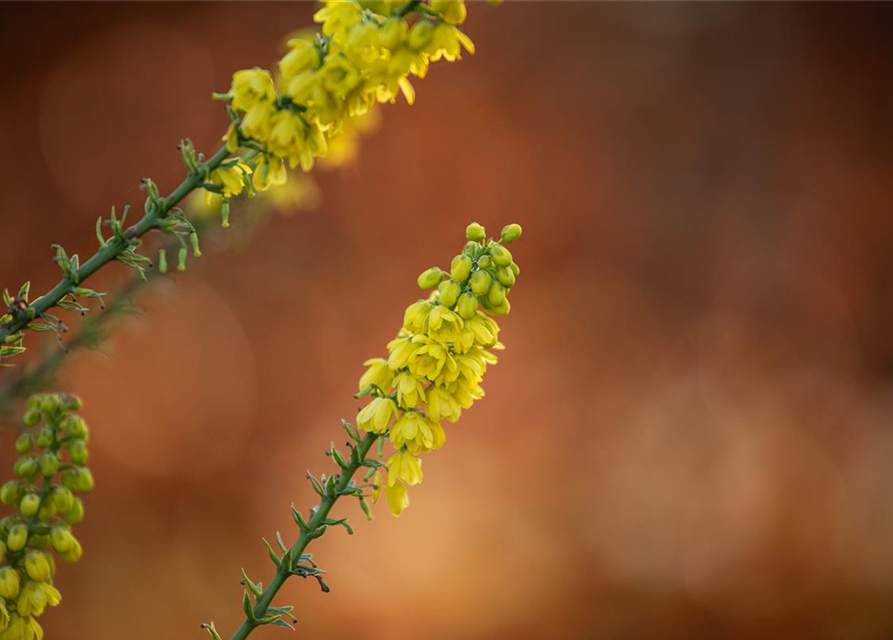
<point x="437" y="362"/>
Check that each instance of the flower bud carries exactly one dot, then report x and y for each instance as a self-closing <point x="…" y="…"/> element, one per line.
<point x="17" y="538"/>
<point x="472" y="249"/>
<point x="47" y="509"/>
<point x="475" y="232"/>
<point x="84" y="480"/>
<point x="480" y="282"/>
<point x="496" y="294"/>
<point x="61" y="539"/>
<point x="468" y="305"/>
<point x="506" y="276"/>
<point x="460" y="269"/>
<point x="74" y="553"/>
<point x="452" y="11"/>
<point x="9" y="583"/>
<point x="26" y="467"/>
<point x="49" y="464"/>
<point x="45" y="438"/>
<point x="515" y="269"/>
<point x="49" y="403"/>
<point x="501" y="309"/>
<point x="511" y="232"/>
<point x="2" y="552"/>
<point x="392" y="34"/>
<point x="502" y="257"/>
<point x="76" y="513"/>
<point x="449" y="293"/>
<point x="420" y="34"/>
<point x="36" y="566"/>
<point x="29" y="505"/>
<point x="75" y="427"/>
<point x="72" y="403"/>
<point x="31" y="418"/>
<point x="78" y="453"/>
<point x="63" y="498"/>
<point x="24" y="443"/>
<point x="11" y="492"/>
<point x="430" y="278"/>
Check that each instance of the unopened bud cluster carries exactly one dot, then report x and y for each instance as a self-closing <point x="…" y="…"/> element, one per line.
<point x="437" y="362"/>
<point x="51" y="470"/>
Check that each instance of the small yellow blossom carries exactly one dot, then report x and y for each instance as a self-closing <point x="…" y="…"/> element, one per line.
<point x="377" y="415"/>
<point x="406" y="467"/>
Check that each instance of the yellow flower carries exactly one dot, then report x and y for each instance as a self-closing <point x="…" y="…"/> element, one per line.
<point x="339" y="76"/>
<point x="337" y="17"/>
<point x="444" y="325"/>
<point x="441" y="405"/>
<point x="270" y="171"/>
<point x="416" y="316"/>
<point x="32" y="600"/>
<point x="377" y="415"/>
<point x="251" y="86"/>
<point x="230" y="179"/>
<point x="452" y="11"/>
<point x="410" y="390"/>
<point x="414" y="431"/>
<point x="431" y="360"/>
<point x="400" y="350"/>
<point x="406" y="467"/>
<point x="378" y="374"/>
<point x="397" y="497"/>
<point x="447" y="42"/>
<point x="258" y="120"/>
<point x="303" y="55"/>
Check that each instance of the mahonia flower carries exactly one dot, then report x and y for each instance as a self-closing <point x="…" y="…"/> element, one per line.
<point x="437" y="362"/>
<point x="47" y="509"/>
<point x="365" y="54"/>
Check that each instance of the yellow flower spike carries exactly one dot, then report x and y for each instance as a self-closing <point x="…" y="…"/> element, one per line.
<point x="406" y="467"/>
<point x="378" y="374"/>
<point x="398" y="499"/>
<point x="376" y="416"/>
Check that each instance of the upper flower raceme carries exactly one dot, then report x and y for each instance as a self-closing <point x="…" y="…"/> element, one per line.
<point x="366" y="53"/>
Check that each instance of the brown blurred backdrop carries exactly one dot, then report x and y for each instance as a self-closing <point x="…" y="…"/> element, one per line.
<point x="691" y="431"/>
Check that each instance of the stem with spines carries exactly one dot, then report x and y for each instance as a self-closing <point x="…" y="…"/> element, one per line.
<point x="114" y="248"/>
<point x="314" y="526"/>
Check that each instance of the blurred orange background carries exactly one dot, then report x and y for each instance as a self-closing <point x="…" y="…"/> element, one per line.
<point x="690" y="433"/>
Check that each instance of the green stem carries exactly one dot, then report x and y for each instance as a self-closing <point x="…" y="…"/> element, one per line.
<point x="113" y="248"/>
<point x="322" y="512"/>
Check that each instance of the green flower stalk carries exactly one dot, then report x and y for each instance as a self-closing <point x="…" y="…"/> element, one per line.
<point x="51" y="470"/>
<point x="434" y="370"/>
